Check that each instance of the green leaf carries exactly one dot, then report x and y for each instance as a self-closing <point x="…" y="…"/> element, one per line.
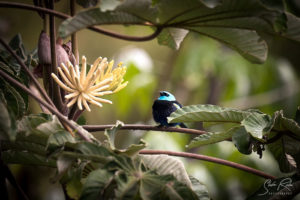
<point x="164" y="165"/>
<point x="95" y="184"/>
<point x="210" y="138"/>
<point x="207" y="113"/>
<point x="26" y="158"/>
<point x="133" y="149"/>
<point x="94" y="16"/>
<point x="165" y="187"/>
<point x="110" y="135"/>
<point x="278" y="149"/>
<point x="199" y="188"/>
<point x="232" y="22"/>
<point x="172" y="37"/>
<point x="7" y="124"/>
<point x="258" y="124"/>
<point x="14" y="100"/>
<point x="246" y="42"/>
<point x="88" y="148"/>
<point x="28" y="124"/>
<point x="242" y="140"/>
<point x="293" y="27"/>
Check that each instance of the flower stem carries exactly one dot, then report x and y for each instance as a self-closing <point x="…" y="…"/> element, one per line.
<point x="211" y="159"/>
<point x="98" y="30"/>
<point x="55" y="93"/>
<point x="74" y="35"/>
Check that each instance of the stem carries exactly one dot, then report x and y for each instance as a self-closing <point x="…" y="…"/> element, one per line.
<point x="210" y="159"/>
<point x="98" y="30"/>
<point x="72" y="112"/>
<point x="74" y="36"/>
<point x="93" y="128"/>
<point x="44" y="103"/>
<point x="24" y="67"/>
<point x="56" y="96"/>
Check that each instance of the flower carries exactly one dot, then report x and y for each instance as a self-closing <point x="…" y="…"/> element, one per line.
<point x="86" y="87"/>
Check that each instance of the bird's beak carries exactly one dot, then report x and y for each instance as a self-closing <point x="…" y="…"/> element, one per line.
<point x="161" y="93"/>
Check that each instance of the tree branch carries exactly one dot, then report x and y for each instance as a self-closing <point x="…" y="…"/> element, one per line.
<point x="44" y="103"/>
<point x="93" y="128"/>
<point x="98" y="30"/>
<point x="74" y="36"/>
<point x="210" y="159"/>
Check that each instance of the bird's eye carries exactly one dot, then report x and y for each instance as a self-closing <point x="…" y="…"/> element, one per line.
<point x="165" y="94"/>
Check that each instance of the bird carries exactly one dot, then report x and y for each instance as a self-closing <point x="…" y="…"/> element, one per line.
<point x="162" y="108"/>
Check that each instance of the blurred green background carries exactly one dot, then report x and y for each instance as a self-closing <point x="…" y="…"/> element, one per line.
<point x="202" y="71"/>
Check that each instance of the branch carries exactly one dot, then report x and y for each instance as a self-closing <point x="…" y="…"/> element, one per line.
<point x="44" y="103"/>
<point x="74" y="36"/>
<point x="24" y="67"/>
<point x="210" y="159"/>
<point x="64" y="16"/>
<point x="56" y="94"/>
<point x="93" y="128"/>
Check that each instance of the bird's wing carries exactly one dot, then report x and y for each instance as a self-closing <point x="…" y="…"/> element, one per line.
<point x="177" y="105"/>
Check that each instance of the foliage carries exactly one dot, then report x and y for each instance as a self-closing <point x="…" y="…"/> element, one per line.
<point x="233" y="22"/>
<point x="91" y="170"/>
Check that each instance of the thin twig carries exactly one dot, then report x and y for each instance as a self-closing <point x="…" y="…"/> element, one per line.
<point x="93" y="128"/>
<point x="44" y="103"/>
<point x="210" y="159"/>
<point x="35" y="81"/>
<point x="98" y="30"/>
<point x="74" y="35"/>
<point x="56" y="90"/>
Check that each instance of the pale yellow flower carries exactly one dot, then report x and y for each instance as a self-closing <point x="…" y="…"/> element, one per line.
<point x="86" y="87"/>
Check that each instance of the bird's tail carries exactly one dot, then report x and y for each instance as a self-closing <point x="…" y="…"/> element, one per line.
<point x="182" y="125"/>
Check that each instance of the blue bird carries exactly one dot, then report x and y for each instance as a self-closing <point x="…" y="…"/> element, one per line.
<point x="163" y="107"/>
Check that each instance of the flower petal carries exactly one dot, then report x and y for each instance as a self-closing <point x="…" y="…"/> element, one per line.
<point x="61" y="84"/>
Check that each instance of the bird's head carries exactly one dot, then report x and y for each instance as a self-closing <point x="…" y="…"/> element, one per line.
<point x="166" y="96"/>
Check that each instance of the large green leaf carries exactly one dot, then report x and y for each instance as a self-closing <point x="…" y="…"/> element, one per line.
<point x="164" y="164"/>
<point x="16" y="98"/>
<point x="26" y="158"/>
<point x="246" y="42"/>
<point x="172" y="37"/>
<point x="110" y="135"/>
<point x="232" y="22"/>
<point x="95" y="184"/>
<point x="242" y="140"/>
<point x="7" y="123"/>
<point x="211" y="138"/>
<point x="257" y="124"/>
<point x="199" y="188"/>
<point x="278" y="150"/>
<point x="207" y="113"/>
<point x="95" y="16"/>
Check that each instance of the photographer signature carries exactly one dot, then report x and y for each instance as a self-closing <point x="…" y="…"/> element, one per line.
<point x="284" y="183"/>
